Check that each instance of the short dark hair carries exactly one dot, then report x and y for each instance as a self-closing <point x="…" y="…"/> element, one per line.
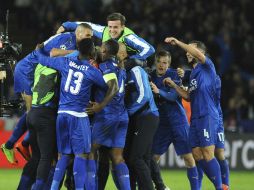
<point x="85" y="25"/>
<point x="112" y="47"/>
<point x="162" y="53"/>
<point x="116" y="16"/>
<point x="200" y="45"/>
<point x="86" y="47"/>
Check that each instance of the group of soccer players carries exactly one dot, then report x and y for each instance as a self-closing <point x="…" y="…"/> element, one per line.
<point x="99" y="105"/>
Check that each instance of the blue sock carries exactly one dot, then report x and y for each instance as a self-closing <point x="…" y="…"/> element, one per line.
<point x="60" y="171"/>
<point x="25" y="183"/>
<point x="214" y="174"/>
<point x="18" y="131"/>
<point x="200" y="172"/>
<point x="39" y="184"/>
<point x="91" y="174"/>
<point x="192" y="174"/>
<point x="50" y="179"/>
<point x="224" y="171"/>
<point x="25" y="141"/>
<point x="79" y="172"/>
<point x="123" y="178"/>
<point x="115" y="179"/>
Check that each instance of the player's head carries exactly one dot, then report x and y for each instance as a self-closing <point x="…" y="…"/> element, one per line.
<point x="86" y="48"/>
<point x="200" y="46"/>
<point x="122" y="52"/>
<point x="109" y="49"/>
<point x="162" y="62"/>
<point x="83" y="31"/>
<point x="116" y="24"/>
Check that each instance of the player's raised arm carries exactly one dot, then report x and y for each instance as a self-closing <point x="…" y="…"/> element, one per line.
<point x="189" y="48"/>
<point x="143" y="48"/>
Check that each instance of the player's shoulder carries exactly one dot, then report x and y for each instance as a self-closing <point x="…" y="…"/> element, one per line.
<point x="108" y="64"/>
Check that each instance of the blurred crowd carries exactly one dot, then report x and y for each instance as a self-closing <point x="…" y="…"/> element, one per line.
<point x="226" y="27"/>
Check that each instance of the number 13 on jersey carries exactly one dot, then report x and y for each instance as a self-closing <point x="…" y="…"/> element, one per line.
<point x="77" y="78"/>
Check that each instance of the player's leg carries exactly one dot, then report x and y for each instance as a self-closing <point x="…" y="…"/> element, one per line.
<point x="62" y="163"/>
<point x="103" y="167"/>
<point x="69" y="178"/>
<point x="81" y="146"/>
<point x="18" y="131"/>
<point x="23" y="147"/>
<point x="180" y="133"/>
<point x="156" y="173"/>
<point x="101" y="136"/>
<point x="220" y="155"/>
<point x="141" y="144"/>
<point x="207" y="135"/>
<point x="29" y="172"/>
<point x="120" y="170"/>
<point x="91" y="182"/>
<point x="197" y="154"/>
<point x="44" y="122"/>
<point x="64" y="149"/>
<point x="127" y="150"/>
<point x="161" y="141"/>
<point x="192" y="171"/>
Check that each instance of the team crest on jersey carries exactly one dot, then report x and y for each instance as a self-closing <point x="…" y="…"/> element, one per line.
<point x="63" y="47"/>
<point x="193" y="85"/>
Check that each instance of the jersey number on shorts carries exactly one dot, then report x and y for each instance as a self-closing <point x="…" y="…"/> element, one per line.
<point x="206" y="134"/>
<point x="77" y="77"/>
<point x="221" y="137"/>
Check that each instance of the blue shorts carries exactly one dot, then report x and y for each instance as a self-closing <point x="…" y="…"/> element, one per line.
<point x="110" y="132"/>
<point x="220" y="135"/>
<point x="203" y="131"/>
<point x="73" y="134"/>
<point x="169" y="132"/>
<point x="23" y="82"/>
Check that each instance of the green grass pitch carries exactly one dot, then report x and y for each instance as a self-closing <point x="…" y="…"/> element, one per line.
<point x="175" y="179"/>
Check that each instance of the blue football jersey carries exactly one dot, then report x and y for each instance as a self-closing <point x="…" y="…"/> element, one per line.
<point x="168" y="101"/>
<point x="77" y="78"/>
<point x="139" y="93"/>
<point x="116" y="106"/>
<point x="64" y="41"/>
<point x="202" y="88"/>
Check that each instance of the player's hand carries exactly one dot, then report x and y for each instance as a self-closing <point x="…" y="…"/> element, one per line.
<point x="168" y="81"/>
<point x="180" y="72"/>
<point x="154" y="88"/>
<point x="94" y="107"/>
<point x="54" y="52"/>
<point x="171" y="40"/>
<point x="61" y="29"/>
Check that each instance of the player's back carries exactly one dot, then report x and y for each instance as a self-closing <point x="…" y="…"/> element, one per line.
<point x="62" y="41"/>
<point x="116" y="106"/>
<point x="76" y="82"/>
